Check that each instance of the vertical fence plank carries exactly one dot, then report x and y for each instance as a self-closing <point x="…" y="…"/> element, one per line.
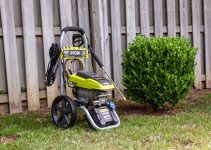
<point x="104" y="41"/>
<point x="96" y="29"/>
<point x="100" y="40"/>
<point x="65" y="13"/>
<point x="66" y="20"/>
<point x="171" y="18"/>
<point x="3" y="79"/>
<point x="48" y="39"/>
<point x="130" y="20"/>
<point x="196" y="41"/>
<point x="158" y="17"/>
<point x="207" y="24"/>
<point x="116" y="44"/>
<point x="144" y="14"/>
<point x="10" y="49"/>
<point x="30" y="55"/>
<point x="75" y="12"/>
<point x="183" y="5"/>
<point x="83" y="19"/>
<point x="83" y="16"/>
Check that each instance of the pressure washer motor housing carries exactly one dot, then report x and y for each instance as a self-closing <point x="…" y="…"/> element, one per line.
<point x="92" y="92"/>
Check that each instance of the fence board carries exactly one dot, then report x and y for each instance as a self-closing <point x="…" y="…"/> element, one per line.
<point x="30" y="55"/>
<point x="196" y="41"/>
<point x="171" y="18"/>
<point x="158" y="17"/>
<point x="104" y="41"/>
<point x="207" y="22"/>
<point x="144" y="14"/>
<point x="96" y="29"/>
<point x="100" y="33"/>
<point x="183" y="18"/>
<point x="17" y="13"/>
<point x="37" y="13"/>
<point x="75" y="12"/>
<point x="40" y="62"/>
<point x="83" y="16"/>
<point x="21" y="62"/>
<point x="56" y="13"/>
<point x="48" y="39"/>
<point x="130" y="20"/>
<point x="65" y="13"/>
<point x="116" y="45"/>
<point x="3" y="85"/>
<point x="83" y="20"/>
<point x="13" y="80"/>
<point x="66" y="20"/>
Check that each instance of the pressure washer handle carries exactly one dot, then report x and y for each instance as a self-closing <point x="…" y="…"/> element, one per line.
<point x="71" y="28"/>
<point x="97" y="59"/>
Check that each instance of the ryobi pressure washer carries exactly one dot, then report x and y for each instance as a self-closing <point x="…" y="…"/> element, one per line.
<point x="89" y="89"/>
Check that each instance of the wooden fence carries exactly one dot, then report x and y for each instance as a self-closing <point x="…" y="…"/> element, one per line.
<point x="28" y="27"/>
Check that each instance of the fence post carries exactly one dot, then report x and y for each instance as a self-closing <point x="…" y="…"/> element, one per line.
<point x="116" y="45"/>
<point x="130" y="20"/>
<point x="196" y="41"/>
<point x="171" y="18"/>
<point x="11" y="58"/>
<point x="30" y="55"/>
<point x="144" y="17"/>
<point x="183" y="5"/>
<point x="207" y="24"/>
<point x="99" y="22"/>
<point x="66" y="20"/>
<point x="48" y="39"/>
<point x="158" y="17"/>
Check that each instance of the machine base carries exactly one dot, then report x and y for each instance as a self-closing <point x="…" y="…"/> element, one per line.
<point x="98" y="127"/>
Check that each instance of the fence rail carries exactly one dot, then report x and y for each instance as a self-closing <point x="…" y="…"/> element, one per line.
<point x="28" y="27"/>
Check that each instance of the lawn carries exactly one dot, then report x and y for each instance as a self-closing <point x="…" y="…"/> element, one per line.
<point x="186" y="126"/>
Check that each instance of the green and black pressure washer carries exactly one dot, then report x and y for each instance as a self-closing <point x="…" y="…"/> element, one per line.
<point x="89" y="89"/>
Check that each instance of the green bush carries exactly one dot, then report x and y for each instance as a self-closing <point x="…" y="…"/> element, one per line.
<point x="158" y="70"/>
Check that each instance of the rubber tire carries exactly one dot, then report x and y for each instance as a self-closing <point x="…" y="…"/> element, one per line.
<point x="73" y="111"/>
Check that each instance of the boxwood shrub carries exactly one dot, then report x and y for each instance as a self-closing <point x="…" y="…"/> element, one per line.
<point x="158" y="70"/>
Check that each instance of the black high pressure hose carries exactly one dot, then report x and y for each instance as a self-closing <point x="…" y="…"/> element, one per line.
<point x="53" y="64"/>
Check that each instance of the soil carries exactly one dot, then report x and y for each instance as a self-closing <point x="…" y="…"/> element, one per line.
<point x="130" y="107"/>
<point x="199" y="93"/>
<point x="135" y="109"/>
<point x="8" y="139"/>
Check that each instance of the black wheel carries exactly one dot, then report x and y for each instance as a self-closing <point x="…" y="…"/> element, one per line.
<point x="63" y="112"/>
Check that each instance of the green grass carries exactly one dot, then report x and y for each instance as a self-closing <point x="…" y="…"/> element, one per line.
<point x="187" y="126"/>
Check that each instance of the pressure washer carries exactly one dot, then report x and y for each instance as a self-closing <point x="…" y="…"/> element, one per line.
<point x="90" y="90"/>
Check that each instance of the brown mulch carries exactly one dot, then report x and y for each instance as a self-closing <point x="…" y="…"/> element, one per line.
<point x="130" y="107"/>
<point x="199" y="93"/>
<point x="135" y="109"/>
